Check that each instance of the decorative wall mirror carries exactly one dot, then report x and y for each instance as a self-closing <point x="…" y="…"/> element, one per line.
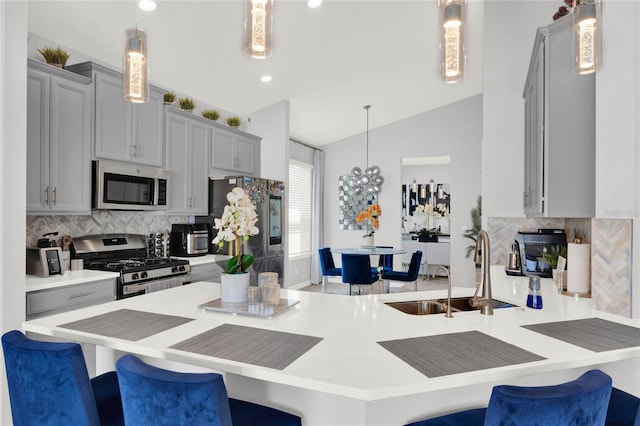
<point x="350" y="203"/>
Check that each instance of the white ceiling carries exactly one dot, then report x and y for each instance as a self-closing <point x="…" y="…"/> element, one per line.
<point x="328" y="62"/>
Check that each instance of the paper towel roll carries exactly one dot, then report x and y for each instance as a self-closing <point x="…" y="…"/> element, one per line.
<point x="579" y="267"/>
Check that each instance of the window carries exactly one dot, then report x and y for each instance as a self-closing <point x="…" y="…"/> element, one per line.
<point x="299" y="208"/>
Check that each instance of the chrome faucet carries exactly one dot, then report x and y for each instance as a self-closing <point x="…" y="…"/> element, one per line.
<point x="483" y="249"/>
<point x="448" y="314"/>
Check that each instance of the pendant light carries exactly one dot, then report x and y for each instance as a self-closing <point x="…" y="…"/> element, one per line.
<point x="586" y="36"/>
<point x="257" y="28"/>
<point x="370" y="180"/>
<point x="452" y="55"/>
<point x="136" y="67"/>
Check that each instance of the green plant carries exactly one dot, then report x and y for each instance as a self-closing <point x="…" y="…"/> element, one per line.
<point x="54" y="56"/>
<point x="550" y="257"/>
<point x="211" y="114"/>
<point x="187" y="104"/>
<point x="476" y="226"/>
<point x="170" y="97"/>
<point x="233" y="121"/>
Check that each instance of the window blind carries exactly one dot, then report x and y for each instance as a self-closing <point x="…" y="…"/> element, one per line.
<point x="300" y="175"/>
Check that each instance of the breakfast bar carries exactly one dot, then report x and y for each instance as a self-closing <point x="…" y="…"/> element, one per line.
<point x="339" y="360"/>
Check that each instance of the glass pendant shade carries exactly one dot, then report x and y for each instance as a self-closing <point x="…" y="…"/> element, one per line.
<point x="136" y="67"/>
<point x="586" y="36"/>
<point x="452" y="55"/>
<point x="257" y="28"/>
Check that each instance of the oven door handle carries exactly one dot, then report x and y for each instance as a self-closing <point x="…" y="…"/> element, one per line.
<point x="134" y="288"/>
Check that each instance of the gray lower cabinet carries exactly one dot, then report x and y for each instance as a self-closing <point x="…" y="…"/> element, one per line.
<point x="52" y="301"/>
<point x="188" y="140"/>
<point x="236" y="152"/>
<point x="58" y="141"/>
<point x="207" y="272"/>
<point x="559" y="151"/>
<point x="124" y="131"/>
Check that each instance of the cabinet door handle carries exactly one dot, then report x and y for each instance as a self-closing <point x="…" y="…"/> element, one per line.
<point x="78" y="296"/>
<point x="46" y="195"/>
<point x="55" y="195"/>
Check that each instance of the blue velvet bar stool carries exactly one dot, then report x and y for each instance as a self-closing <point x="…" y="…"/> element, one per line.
<point x="328" y="267"/>
<point x="583" y="401"/>
<point x="356" y="270"/>
<point x="411" y="275"/>
<point x="49" y="385"/>
<point x="155" y="396"/>
<point x="623" y="410"/>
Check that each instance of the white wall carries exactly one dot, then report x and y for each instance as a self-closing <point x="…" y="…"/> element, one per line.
<point x="453" y="130"/>
<point x="13" y="107"/>
<point x="618" y="126"/>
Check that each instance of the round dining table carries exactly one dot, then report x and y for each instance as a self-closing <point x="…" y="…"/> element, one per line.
<point x="369" y="250"/>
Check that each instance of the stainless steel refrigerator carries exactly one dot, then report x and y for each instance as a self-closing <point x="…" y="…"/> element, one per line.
<point x="267" y="195"/>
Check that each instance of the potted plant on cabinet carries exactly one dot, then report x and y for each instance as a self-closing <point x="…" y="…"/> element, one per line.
<point x="54" y="56"/>
<point x="186" y="104"/>
<point x="237" y="224"/>
<point x="169" y="98"/>
<point x="233" y="121"/>
<point x="211" y="114"/>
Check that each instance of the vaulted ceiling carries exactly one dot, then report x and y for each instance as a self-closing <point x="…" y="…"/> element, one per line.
<point x="327" y="62"/>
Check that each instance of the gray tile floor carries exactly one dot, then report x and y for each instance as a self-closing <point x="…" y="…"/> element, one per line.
<point x="334" y="287"/>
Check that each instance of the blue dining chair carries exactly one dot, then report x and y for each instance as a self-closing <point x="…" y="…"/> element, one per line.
<point x="583" y="401"/>
<point x="155" y="396"/>
<point x="385" y="261"/>
<point x="356" y="270"/>
<point x="328" y="267"/>
<point x="411" y="275"/>
<point x="49" y="385"/>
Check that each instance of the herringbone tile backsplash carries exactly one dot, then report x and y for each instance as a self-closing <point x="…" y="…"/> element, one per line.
<point x="610" y="253"/>
<point x="100" y="222"/>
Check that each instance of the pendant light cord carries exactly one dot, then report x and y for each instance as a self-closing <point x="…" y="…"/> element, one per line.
<point x="366" y="107"/>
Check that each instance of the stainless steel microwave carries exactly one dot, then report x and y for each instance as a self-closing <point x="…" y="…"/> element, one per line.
<point x="125" y="186"/>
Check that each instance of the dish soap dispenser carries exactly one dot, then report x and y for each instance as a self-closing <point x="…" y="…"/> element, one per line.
<point x="534" y="299"/>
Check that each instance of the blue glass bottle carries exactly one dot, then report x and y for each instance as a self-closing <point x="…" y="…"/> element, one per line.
<point x="534" y="299"/>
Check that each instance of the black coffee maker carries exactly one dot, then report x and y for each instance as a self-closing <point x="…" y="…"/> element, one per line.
<point x="527" y="250"/>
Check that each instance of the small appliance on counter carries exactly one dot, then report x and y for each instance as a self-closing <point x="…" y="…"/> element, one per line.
<point x="45" y="261"/>
<point x="189" y="239"/>
<point x="527" y="250"/>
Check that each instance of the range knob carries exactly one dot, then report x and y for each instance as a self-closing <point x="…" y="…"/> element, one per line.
<point x="143" y="275"/>
<point x="174" y="269"/>
<point x="134" y="276"/>
<point x="181" y="268"/>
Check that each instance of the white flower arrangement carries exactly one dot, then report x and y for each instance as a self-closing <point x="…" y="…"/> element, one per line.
<point x="237" y="224"/>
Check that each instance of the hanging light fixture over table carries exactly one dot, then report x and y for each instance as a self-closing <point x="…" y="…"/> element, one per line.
<point x="452" y="55"/>
<point x="257" y="28"/>
<point x="369" y="181"/>
<point x="586" y="36"/>
<point x="136" y="67"/>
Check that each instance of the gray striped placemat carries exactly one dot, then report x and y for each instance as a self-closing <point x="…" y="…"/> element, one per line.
<point x="454" y="353"/>
<point x="266" y="348"/>
<point x="595" y="334"/>
<point x="126" y="324"/>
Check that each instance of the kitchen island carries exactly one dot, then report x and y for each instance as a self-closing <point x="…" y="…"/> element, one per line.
<point x="346" y="377"/>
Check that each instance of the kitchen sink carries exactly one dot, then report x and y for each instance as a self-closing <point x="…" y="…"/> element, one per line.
<point x="439" y="306"/>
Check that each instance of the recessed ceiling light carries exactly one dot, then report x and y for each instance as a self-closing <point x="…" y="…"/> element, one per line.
<point x="314" y="3"/>
<point x="147" y="5"/>
<point x="265" y="78"/>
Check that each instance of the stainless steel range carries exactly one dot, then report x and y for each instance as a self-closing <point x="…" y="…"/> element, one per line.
<point x="127" y="254"/>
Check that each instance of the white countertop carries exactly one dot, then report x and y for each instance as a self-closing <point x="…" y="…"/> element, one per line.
<point x="203" y="260"/>
<point x="348" y="363"/>
<point x="35" y="283"/>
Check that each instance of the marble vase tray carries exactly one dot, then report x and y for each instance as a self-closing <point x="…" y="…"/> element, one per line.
<point x="259" y="310"/>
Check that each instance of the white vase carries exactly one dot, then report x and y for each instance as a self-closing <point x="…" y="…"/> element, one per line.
<point x="367" y="241"/>
<point x="233" y="287"/>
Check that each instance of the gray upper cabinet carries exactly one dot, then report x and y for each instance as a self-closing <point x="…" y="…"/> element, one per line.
<point x="188" y="139"/>
<point x="236" y="152"/>
<point x="559" y="166"/>
<point x="124" y="131"/>
<point x="58" y="141"/>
